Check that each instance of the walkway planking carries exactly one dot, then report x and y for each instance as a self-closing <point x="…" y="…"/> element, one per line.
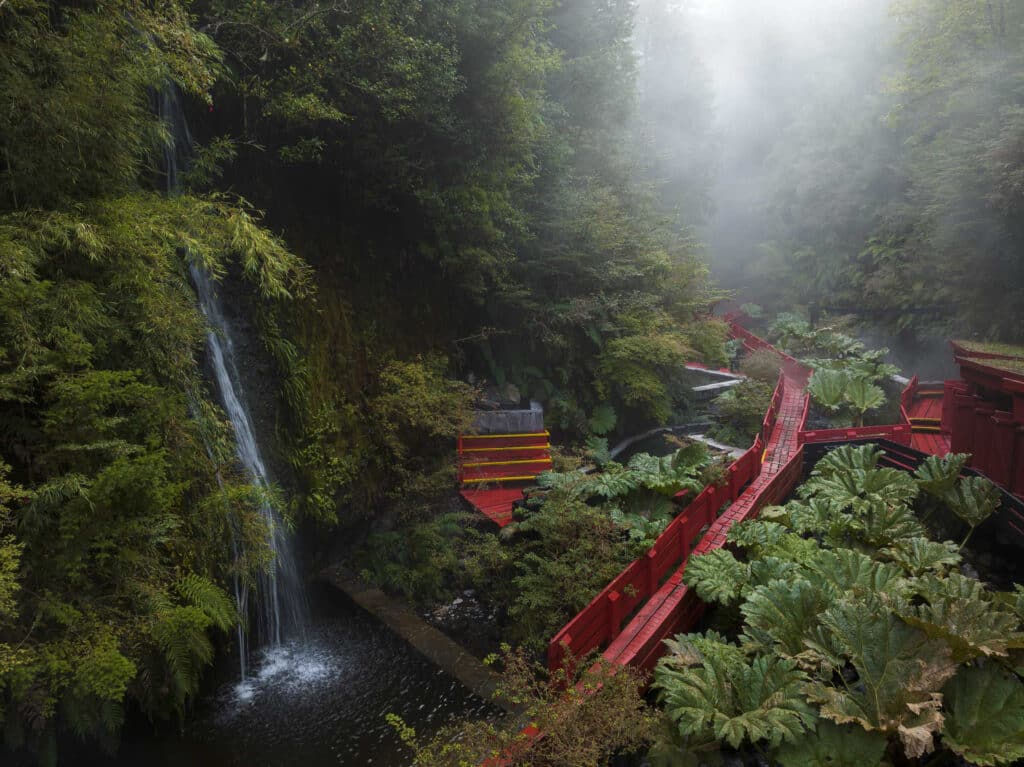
<point x="925" y="415"/>
<point x="673" y="607"/>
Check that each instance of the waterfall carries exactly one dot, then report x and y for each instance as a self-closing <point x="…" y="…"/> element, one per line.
<point x="279" y="610"/>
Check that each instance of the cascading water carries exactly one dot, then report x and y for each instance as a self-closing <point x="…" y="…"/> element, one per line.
<point x="280" y="609"/>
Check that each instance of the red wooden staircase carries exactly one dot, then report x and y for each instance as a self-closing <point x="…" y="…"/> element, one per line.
<point x="494" y="468"/>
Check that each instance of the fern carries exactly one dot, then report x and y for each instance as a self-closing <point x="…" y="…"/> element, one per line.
<point x="216" y="605"/>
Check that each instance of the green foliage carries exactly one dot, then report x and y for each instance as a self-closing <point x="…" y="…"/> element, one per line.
<point x="763" y="365"/>
<point x="937" y="476"/>
<point x="985" y="715"/>
<point x="603" y="419"/>
<point x="844" y="589"/>
<point x="587" y="718"/>
<point x="828" y="388"/>
<point x="719" y="694"/>
<point x="116" y="522"/>
<point x="973" y="500"/>
<point x="741" y="410"/>
<point x="832" y="745"/>
<point x="417" y="561"/>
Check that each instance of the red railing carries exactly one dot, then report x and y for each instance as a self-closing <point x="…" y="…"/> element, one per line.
<point x="601" y="621"/>
<point x="907" y="399"/>
<point x="896" y="432"/>
<point x="790" y="366"/>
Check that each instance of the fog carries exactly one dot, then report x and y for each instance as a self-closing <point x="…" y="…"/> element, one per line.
<point x="774" y="73"/>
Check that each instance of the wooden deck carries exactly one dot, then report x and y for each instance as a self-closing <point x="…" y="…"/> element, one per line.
<point x="494" y="503"/>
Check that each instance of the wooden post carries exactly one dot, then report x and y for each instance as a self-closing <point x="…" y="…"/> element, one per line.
<point x="651" y="577"/>
<point x="615" y="607"/>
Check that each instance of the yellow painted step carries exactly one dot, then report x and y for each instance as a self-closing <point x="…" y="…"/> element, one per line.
<point x="496" y="449"/>
<point x="479" y="480"/>
<point x="505" y="463"/>
<point x="544" y="433"/>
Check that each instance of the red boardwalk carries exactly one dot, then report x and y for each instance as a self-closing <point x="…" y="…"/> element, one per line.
<point x="924" y="412"/>
<point x="673" y="607"/>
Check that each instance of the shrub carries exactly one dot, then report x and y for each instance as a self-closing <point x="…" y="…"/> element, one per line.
<point x="586" y="719"/>
<point x="762" y="365"/>
<point x="741" y="410"/>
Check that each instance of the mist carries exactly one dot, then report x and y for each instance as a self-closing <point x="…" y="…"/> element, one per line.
<point x="856" y="155"/>
<point x="777" y="73"/>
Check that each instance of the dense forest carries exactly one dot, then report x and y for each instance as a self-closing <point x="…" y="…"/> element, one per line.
<point x="404" y="204"/>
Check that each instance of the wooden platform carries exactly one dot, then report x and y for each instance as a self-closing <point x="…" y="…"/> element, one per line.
<point x="494" y="468"/>
<point x="495" y="504"/>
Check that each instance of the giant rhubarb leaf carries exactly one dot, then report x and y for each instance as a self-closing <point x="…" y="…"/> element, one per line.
<point x="834" y="745"/>
<point x="985" y="715"/>
<point x="900" y="672"/>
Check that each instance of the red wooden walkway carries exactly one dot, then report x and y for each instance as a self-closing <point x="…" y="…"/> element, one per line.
<point x="674" y="607"/>
<point x="922" y="408"/>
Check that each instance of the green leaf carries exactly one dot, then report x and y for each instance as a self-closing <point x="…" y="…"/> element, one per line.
<point x="711" y="689"/>
<point x="937" y="476"/>
<point x="833" y="745"/>
<point x="828" y="388"/>
<point x="863" y="395"/>
<point x="844" y="570"/>
<point x="900" y="672"/>
<point x="919" y="555"/>
<point x="780" y="615"/>
<point x="717" y="576"/>
<point x="603" y="419"/>
<point x="985" y="715"/>
<point x="973" y="499"/>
